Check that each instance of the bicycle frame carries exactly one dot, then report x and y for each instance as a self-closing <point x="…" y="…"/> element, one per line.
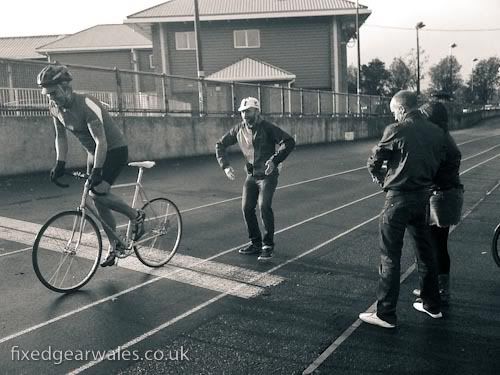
<point x="86" y="208"/>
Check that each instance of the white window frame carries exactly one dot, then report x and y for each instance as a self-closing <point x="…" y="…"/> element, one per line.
<point x="246" y="38"/>
<point x="151" y="61"/>
<point x="185" y="35"/>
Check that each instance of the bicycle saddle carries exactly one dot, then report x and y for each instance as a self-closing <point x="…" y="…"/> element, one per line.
<point x="142" y="164"/>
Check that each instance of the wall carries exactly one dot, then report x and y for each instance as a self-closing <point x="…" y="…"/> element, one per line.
<point x="27" y="143"/>
<point x="300" y="46"/>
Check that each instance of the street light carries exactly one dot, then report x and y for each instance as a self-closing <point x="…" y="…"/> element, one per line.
<point x="453" y="45"/>
<point x="418" y="26"/>
<point x="472" y="76"/>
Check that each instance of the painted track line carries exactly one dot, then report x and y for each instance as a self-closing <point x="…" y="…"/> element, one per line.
<point x="16" y="251"/>
<point x="350" y="330"/>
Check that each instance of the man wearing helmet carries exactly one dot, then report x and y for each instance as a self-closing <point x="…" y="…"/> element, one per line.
<point x="106" y="147"/>
<point x="257" y="139"/>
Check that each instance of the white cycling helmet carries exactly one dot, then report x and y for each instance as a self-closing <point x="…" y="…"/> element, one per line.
<point x="249" y="102"/>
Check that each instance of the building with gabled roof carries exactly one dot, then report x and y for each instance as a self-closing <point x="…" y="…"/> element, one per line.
<point x="109" y="45"/>
<point x="305" y="38"/>
<point x="25" y="47"/>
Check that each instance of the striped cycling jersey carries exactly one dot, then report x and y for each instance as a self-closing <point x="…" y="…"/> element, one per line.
<point x="83" y="110"/>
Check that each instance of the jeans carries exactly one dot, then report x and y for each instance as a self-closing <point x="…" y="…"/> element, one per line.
<point x="405" y="210"/>
<point x="259" y="191"/>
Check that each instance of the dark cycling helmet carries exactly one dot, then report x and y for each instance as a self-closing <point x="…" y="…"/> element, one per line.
<point x="53" y="75"/>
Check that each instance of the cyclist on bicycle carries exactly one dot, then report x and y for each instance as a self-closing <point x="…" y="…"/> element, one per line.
<point x="107" y="150"/>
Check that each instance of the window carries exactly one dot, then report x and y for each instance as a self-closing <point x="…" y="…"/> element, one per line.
<point x="151" y="62"/>
<point x="185" y="40"/>
<point x="246" y="39"/>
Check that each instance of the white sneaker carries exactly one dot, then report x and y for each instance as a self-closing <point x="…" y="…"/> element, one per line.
<point x="419" y="306"/>
<point x="372" y="318"/>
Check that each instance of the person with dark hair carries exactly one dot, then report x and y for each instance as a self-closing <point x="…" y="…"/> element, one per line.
<point x="107" y="149"/>
<point x="446" y="200"/>
<point x="412" y="148"/>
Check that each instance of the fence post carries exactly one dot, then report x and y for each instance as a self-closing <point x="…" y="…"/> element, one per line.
<point x="164" y="91"/>
<point x="334" y="110"/>
<point x="233" y="100"/>
<point x="348" y="107"/>
<point x="259" y="96"/>
<point x="119" y="90"/>
<point x="319" y="104"/>
<point x="301" y="91"/>
<point x="282" y="101"/>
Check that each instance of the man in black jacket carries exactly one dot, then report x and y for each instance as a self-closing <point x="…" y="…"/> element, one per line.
<point x="257" y="139"/>
<point x="412" y="149"/>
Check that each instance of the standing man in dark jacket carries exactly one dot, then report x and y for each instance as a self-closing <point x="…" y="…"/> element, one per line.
<point x="257" y="139"/>
<point x="413" y="149"/>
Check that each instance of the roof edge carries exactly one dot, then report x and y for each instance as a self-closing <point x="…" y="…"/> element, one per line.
<point x="228" y="17"/>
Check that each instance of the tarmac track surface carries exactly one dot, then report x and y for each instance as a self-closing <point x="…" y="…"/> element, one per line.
<point x="213" y="311"/>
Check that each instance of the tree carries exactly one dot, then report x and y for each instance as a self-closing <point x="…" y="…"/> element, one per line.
<point x="400" y="76"/>
<point x="486" y="80"/>
<point x="374" y="78"/>
<point x="445" y="75"/>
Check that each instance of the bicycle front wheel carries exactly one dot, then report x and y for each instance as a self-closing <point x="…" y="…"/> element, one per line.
<point x="495" y="250"/>
<point x="67" y="251"/>
<point x="163" y="231"/>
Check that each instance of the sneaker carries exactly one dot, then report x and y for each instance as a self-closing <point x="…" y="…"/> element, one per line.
<point x="445" y="298"/>
<point x="372" y="318"/>
<point x="112" y="255"/>
<point x="267" y="253"/>
<point x="250" y="249"/>
<point x="138" y="230"/>
<point x="110" y="259"/>
<point x="419" y="306"/>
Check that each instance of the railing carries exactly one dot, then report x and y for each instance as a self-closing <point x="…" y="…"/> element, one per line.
<point x="153" y="94"/>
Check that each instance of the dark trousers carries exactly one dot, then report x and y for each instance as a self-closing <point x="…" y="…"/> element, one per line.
<point x="440" y="242"/>
<point x="403" y="211"/>
<point x="259" y="191"/>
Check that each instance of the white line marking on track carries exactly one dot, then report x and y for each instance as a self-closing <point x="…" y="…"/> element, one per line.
<point x="215" y="276"/>
<point x="15" y="251"/>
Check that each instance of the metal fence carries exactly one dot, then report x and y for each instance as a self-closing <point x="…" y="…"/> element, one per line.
<point x="153" y="94"/>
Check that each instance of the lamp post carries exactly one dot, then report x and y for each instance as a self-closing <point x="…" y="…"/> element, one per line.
<point x="199" y="60"/>
<point x="472" y="76"/>
<point x="358" y="75"/>
<point x="418" y="26"/>
<point x="453" y="45"/>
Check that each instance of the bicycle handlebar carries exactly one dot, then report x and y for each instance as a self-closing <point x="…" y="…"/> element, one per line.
<point x="76" y="174"/>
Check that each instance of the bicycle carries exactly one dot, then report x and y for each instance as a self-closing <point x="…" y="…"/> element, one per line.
<point x="495" y="250"/>
<point x="68" y="248"/>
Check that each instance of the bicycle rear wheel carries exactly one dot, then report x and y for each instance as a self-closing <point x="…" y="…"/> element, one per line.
<point x="163" y="231"/>
<point x="495" y="250"/>
<point x="64" y="260"/>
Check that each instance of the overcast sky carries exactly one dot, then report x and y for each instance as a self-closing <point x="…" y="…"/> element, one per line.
<point x="381" y="35"/>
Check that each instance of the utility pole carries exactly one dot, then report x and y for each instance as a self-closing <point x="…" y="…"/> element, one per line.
<point x="472" y="77"/>
<point x="418" y="26"/>
<point x="453" y="45"/>
<point x="199" y="59"/>
<point x="358" y="75"/>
